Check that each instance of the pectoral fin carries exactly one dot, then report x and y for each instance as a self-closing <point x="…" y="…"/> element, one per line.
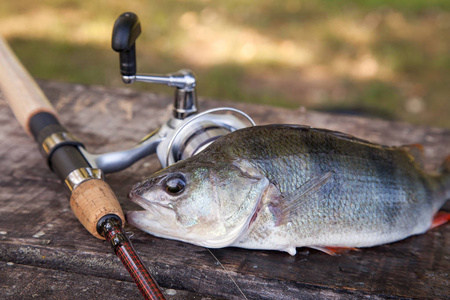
<point x="290" y="204"/>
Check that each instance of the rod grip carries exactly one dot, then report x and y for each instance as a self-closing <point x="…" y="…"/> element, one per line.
<point x="20" y="90"/>
<point x="92" y="200"/>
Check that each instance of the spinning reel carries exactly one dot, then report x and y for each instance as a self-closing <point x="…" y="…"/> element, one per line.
<point x="92" y="200"/>
<point x="187" y="132"/>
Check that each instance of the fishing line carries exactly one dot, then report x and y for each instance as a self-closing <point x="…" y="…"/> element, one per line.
<point x="228" y="273"/>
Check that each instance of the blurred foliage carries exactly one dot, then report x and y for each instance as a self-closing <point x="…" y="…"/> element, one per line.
<point x="389" y="59"/>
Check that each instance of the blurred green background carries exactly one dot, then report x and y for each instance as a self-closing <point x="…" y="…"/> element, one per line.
<point x="388" y="59"/>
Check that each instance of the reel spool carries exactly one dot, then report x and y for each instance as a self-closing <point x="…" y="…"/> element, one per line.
<point x="198" y="132"/>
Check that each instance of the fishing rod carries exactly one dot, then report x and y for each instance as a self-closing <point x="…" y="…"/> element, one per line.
<point x="92" y="200"/>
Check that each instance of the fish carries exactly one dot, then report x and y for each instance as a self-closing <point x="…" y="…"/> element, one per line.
<point x="279" y="187"/>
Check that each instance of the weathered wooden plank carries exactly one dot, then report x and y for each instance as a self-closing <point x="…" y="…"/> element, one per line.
<point x="28" y="282"/>
<point x="39" y="232"/>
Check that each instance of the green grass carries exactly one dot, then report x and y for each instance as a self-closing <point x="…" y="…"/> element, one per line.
<point x="388" y="59"/>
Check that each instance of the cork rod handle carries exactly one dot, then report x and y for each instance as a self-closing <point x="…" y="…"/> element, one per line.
<point x="92" y="200"/>
<point x="20" y="90"/>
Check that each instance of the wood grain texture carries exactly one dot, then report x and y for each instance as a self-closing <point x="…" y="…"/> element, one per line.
<point x="20" y="90"/>
<point x="92" y="200"/>
<point x="40" y="235"/>
<point x="44" y="283"/>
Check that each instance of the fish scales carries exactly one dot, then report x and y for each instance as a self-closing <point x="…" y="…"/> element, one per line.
<point x="280" y="187"/>
<point x="360" y="169"/>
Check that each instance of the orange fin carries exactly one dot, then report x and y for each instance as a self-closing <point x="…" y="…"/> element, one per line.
<point x="333" y="251"/>
<point x="440" y="218"/>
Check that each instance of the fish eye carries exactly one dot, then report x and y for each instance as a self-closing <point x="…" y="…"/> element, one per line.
<point x="175" y="184"/>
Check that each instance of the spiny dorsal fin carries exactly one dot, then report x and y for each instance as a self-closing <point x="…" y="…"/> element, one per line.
<point x="292" y="203"/>
<point x="337" y="134"/>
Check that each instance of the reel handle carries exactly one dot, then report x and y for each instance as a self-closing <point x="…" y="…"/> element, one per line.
<point x="127" y="29"/>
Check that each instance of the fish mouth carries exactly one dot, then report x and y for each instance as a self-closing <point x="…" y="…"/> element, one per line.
<point x="156" y="219"/>
<point x="138" y="199"/>
<point x="155" y="208"/>
<point x="149" y="223"/>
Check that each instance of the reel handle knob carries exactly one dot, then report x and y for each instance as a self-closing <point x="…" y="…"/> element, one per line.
<point x="127" y="29"/>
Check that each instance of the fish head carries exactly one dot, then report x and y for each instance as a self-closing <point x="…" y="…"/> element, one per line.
<point x="204" y="203"/>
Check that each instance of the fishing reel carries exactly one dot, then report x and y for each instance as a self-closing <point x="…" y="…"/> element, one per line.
<point x="187" y="132"/>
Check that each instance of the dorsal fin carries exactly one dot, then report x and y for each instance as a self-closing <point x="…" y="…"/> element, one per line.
<point x="416" y="151"/>
<point x="445" y="167"/>
<point x="337" y="134"/>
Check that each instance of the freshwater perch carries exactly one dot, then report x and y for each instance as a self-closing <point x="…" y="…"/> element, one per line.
<point x="278" y="187"/>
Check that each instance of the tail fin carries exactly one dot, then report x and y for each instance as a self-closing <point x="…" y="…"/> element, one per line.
<point x="443" y="190"/>
<point x="440" y="218"/>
